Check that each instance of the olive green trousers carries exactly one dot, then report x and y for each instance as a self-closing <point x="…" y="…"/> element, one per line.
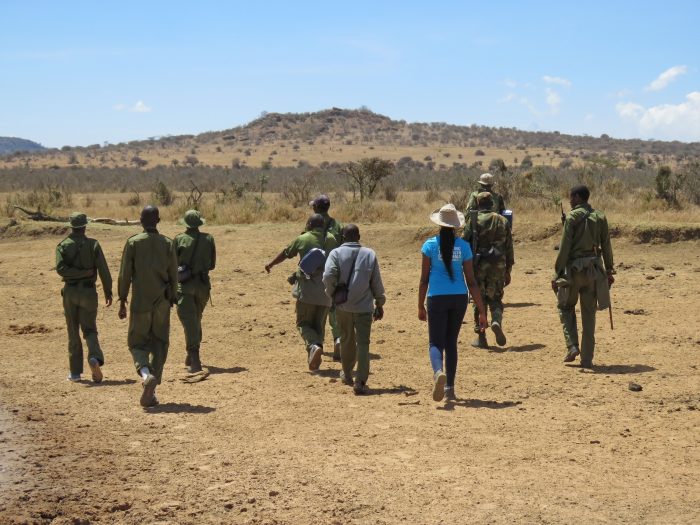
<point x="80" y="309"/>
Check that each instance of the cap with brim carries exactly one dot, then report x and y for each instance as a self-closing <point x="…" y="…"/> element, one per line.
<point x="78" y="220"/>
<point x="448" y="216"/>
<point x="321" y="200"/>
<point x="486" y="179"/>
<point x="192" y="219"/>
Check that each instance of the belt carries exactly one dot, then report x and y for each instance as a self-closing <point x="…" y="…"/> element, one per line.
<point x="82" y="284"/>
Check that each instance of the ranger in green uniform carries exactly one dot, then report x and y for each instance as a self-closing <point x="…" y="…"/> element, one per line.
<point x="196" y="257"/>
<point x="493" y="262"/>
<point x="312" y="302"/>
<point x="580" y="271"/>
<point x="486" y="184"/>
<point x="321" y="205"/>
<point x="79" y="260"/>
<point x="149" y="268"/>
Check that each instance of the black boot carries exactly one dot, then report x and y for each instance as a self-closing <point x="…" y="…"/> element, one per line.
<point x="480" y="341"/>
<point x="195" y="365"/>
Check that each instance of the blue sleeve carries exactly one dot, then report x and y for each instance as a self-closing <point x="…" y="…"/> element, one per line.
<point x="425" y="250"/>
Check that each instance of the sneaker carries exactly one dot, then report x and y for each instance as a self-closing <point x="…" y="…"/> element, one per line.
<point x="96" y="370"/>
<point x="439" y="380"/>
<point x="336" y="351"/>
<point x="500" y="336"/>
<point x="75" y="378"/>
<point x="450" y="393"/>
<point x="480" y="341"/>
<point x="360" y="388"/>
<point x="346" y="379"/>
<point x="149" y="390"/>
<point x="572" y="354"/>
<point x="315" y="356"/>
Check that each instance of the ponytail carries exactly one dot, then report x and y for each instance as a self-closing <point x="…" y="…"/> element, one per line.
<point x="447" y="245"/>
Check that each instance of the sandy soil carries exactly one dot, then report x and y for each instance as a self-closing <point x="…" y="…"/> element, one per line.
<point x="262" y="440"/>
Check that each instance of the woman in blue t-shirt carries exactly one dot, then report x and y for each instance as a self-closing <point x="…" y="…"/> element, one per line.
<point x="447" y="296"/>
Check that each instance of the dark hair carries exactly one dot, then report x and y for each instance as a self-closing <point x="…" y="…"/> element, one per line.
<point x="582" y="191"/>
<point x="447" y="246"/>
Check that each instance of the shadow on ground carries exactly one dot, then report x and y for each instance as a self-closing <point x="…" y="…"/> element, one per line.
<point x="180" y="408"/>
<point x="519" y="305"/>
<point x="232" y="370"/>
<point x="400" y="389"/>
<point x="112" y="382"/>
<point x="623" y="369"/>
<point x="478" y="403"/>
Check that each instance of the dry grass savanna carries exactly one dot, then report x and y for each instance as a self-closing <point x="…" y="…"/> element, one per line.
<point x="262" y="440"/>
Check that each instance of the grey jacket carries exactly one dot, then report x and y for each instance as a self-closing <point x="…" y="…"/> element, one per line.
<point x="365" y="288"/>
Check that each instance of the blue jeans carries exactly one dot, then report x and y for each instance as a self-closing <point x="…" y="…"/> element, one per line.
<point x="445" y="316"/>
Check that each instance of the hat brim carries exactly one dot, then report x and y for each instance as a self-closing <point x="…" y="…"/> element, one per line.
<point x="435" y="217"/>
<point x="487" y="184"/>
<point x="76" y="226"/>
<point x="185" y="223"/>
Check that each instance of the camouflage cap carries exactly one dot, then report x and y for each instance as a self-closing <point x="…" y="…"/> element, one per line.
<point x="193" y="219"/>
<point x="484" y="198"/>
<point x="78" y="220"/>
<point x="486" y="179"/>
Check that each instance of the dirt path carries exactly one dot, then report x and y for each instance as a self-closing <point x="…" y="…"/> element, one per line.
<point x="264" y="441"/>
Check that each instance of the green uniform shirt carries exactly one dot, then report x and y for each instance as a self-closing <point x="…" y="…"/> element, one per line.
<point x="584" y="237"/>
<point x="499" y="205"/>
<point x="201" y="262"/>
<point x="311" y="291"/>
<point x="333" y="227"/>
<point x="149" y="267"/>
<point x="493" y="231"/>
<point x="77" y="258"/>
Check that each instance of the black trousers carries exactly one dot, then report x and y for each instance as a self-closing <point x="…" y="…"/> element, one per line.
<point x="445" y="316"/>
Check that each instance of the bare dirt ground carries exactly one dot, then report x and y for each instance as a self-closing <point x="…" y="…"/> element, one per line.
<point x="262" y="440"/>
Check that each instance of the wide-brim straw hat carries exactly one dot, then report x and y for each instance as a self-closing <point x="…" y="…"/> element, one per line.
<point x="448" y="216"/>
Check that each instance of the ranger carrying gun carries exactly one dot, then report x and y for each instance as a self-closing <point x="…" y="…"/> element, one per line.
<point x="491" y="240"/>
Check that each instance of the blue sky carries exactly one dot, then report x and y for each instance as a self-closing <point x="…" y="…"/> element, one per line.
<point x="81" y="73"/>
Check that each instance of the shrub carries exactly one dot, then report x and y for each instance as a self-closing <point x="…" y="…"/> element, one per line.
<point x="162" y="195"/>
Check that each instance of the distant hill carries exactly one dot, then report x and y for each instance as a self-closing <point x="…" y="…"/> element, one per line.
<point x="339" y="135"/>
<point x="13" y="144"/>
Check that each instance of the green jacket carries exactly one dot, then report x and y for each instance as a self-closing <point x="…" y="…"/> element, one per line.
<point x="499" y="205"/>
<point x="585" y="235"/>
<point x="333" y="227"/>
<point x="493" y="232"/>
<point x="311" y="291"/>
<point x="201" y="262"/>
<point x="149" y="268"/>
<point x="79" y="259"/>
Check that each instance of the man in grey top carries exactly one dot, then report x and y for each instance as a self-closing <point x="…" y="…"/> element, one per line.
<point x="357" y="268"/>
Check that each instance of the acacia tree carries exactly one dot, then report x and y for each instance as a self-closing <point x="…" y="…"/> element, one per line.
<point x="366" y="174"/>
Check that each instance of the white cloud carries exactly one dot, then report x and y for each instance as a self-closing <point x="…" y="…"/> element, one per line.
<point x="508" y="98"/>
<point x="666" y="121"/>
<point x="665" y="78"/>
<point x="589" y="117"/>
<point x="553" y="101"/>
<point x="512" y="84"/>
<point x="139" y="107"/>
<point x="557" y="80"/>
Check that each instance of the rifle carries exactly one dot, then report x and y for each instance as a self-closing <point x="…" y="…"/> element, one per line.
<point x="610" y="312"/>
<point x="473" y="218"/>
<point x="563" y="215"/>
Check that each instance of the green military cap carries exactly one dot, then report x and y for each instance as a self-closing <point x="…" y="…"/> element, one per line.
<point x="484" y="197"/>
<point x="78" y="220"/>
<point x="193" y="219"/>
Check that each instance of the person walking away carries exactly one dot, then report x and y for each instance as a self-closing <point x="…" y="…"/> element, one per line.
<point x="492" y="264"/>
<point x="583" y="270"/>
<point x="486" y="183"/>
<point x="353" y="271"/>
<point x="79" y="260"/>
<point x="321" y="205"/>
<point x="149" y="269"/>
<point x="312" y="303"/>
<point x="196" y="257"/>
<point x="446" y="263"/>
